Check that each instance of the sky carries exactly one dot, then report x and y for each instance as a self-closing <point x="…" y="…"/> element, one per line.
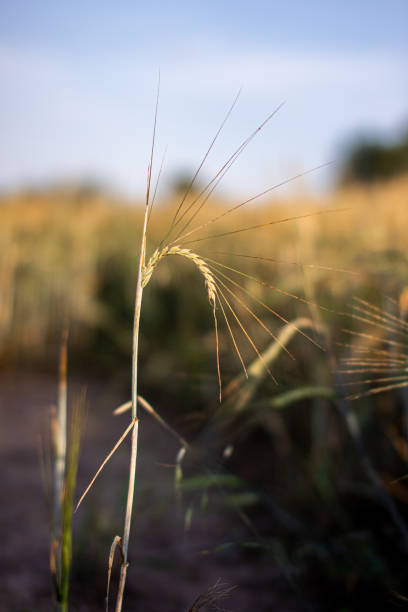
<point x="79" y="79"/>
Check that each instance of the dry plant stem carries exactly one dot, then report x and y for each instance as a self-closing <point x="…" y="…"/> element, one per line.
<point x="133" y="454"/>
<point x="117" y="543"/>
<point x="143" y="278"/>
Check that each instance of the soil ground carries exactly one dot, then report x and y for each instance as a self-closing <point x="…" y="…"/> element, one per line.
<point x="168" y="567"/>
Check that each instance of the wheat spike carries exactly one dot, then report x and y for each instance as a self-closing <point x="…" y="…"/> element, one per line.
<point x="196" y="259"/>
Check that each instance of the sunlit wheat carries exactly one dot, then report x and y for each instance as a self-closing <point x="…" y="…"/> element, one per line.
<point x="379" y="354"/>
<point x="226" y="295"/>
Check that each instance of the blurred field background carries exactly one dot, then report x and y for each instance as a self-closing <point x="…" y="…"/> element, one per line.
<point x="70" y="254"/>
<point x="288" y="492"/>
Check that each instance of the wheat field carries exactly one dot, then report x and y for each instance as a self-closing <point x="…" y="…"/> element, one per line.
<point x="58" y="252"/>
<point x="283" y="451"/>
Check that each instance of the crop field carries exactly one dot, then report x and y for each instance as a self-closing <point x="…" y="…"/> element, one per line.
<point x="273" y="419"/>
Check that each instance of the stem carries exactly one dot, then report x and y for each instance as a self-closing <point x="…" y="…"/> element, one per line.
<point x="68" y="499"/>
<point x="60" y="556"/>
<point x="60" y="434"/>
<point x="133" y="453"/>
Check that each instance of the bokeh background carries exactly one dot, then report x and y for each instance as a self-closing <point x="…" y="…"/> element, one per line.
<point x="289" y="490"/>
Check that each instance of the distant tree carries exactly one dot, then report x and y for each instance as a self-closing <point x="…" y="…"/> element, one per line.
<point x="88" y="189"/>
<point x="181" y="183"/>
<point x="372" y="160"/>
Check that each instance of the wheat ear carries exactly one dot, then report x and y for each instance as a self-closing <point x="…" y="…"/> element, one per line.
<point x="209" y="280"/>
<point x="196" y="259"/>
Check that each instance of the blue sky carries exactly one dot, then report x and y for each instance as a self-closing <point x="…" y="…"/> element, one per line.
<point x="78" y="86"/>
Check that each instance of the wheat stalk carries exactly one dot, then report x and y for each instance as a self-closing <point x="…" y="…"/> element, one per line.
<point x="215" y="278"/>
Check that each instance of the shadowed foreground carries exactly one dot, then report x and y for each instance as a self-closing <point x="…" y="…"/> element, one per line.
<point x="168" y="568"/>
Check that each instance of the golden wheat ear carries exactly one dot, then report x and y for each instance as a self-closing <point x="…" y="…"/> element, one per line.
<point x="209" y="281"/>
<point x="219" y="289"/>
<point x="380" y="352"/>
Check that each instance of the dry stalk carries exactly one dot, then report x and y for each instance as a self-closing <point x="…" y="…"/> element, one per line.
<point x="216" y="296"/>
<point x="135" y="429"/>
<point x="117" y="543"/>
<point x="210" y="598"/>
<point x="144" y="275"/>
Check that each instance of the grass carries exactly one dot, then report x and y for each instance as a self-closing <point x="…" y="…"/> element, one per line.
<point x="59" y="470"/>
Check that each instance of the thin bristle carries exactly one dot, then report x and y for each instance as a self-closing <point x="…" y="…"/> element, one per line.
<point x="212" y="185"/>
<point x="376" y="362"/>
<point x="376" y="390"/>
<point x="382" y="312"/>
<point x="233" y="338"/>
<point x="246" y="334"/>
<point x="156" y="187"/>
<point x="248" y="201"/>
<point x="218" y="592"/>
<point x="176" y="221"/>
<point x="379" y="321"/>
<point x="373" y="370"/>
<point x="369" y="381"/>
<point x="150" y="167"/>
<point x="217" y="352"/>
<point x="286" y="262"/>
<point x="252" y="313"/>
<point x="364" y="350"/>
<point x="258" y="301"/>
<point x="375" y="338"/>
<point x="380" y="354"/>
